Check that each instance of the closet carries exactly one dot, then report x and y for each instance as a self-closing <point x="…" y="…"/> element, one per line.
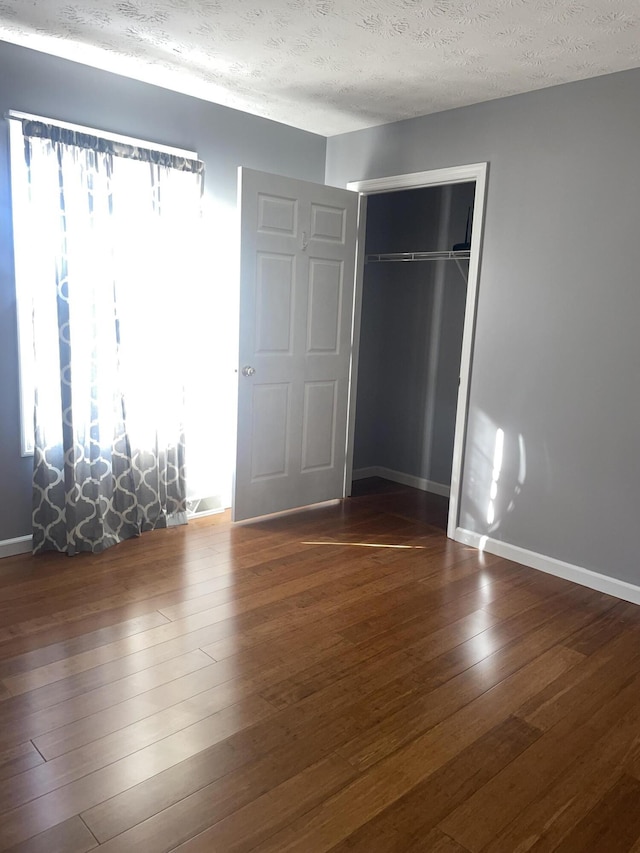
<point x="413" y="307"/>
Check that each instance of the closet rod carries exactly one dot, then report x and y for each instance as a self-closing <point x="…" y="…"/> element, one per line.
<point x="387" y="257"/>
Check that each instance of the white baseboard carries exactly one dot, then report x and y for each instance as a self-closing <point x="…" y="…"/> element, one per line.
<point x="404" y="479"/>
<point x="577" y="574"/>
<point x="19" y="545"/>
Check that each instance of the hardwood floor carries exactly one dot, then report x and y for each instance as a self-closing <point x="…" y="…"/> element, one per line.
<point x="344" y="679"/>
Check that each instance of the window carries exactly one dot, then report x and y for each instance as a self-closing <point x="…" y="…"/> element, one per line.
<point x="108" y="241"/>
<point x="30" y="230"/>
<point x="198" y="284"/>
<point x="19" y="197"/>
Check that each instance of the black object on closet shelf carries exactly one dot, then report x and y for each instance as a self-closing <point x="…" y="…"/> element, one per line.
<point x="464" y="247"/>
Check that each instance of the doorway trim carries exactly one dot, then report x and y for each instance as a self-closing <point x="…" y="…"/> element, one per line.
<point x="476" y="172"/>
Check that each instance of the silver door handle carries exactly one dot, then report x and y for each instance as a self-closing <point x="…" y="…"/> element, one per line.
<point x="247" y="370"/>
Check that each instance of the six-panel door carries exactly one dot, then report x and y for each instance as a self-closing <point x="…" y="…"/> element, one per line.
<point x="296" y="307"/>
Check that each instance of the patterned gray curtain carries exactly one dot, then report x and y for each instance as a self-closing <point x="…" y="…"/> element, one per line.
<point x="109" y="328"/>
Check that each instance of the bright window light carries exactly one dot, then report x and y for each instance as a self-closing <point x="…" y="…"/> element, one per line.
<point x="23" y="240"/>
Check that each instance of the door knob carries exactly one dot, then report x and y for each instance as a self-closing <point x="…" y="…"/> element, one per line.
<point x="247" y="370"/>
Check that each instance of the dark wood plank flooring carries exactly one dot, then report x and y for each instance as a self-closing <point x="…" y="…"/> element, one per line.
<point x="342" y="679"/>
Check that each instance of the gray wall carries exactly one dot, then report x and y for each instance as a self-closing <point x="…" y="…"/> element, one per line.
<point x="557" y="349"/>
<point x="224" y="139"/>
<point x="411" y="334"/>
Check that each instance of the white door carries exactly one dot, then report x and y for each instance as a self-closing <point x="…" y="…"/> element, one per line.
<point x="297" y="258"/>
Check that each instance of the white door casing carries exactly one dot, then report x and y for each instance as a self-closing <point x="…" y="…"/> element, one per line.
<point x="297" y="258"/>
<point x="476" y="172"/>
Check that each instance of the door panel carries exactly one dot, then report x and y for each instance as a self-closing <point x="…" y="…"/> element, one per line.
<point x="270" y="414"/>
<point x="274" y="303"/>
<point x="325" y="302"/>
<point x="296" y="305"/>
<point x="277" y="215"/>
<point x="319" y="425"/>
<point x="328" y="223"/>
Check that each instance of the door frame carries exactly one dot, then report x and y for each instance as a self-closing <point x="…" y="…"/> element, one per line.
<point x="476" y="172"/>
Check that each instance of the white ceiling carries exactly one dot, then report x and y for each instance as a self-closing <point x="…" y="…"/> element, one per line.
<point x="331" y="66"/>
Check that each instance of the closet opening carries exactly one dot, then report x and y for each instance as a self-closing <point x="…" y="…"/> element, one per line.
<point x="417" y="253"/>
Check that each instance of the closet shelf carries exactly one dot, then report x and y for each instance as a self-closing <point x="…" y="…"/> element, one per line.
<point x="387" y="257"/>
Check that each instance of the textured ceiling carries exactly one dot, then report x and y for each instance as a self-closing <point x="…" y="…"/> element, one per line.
<point x="331" y="66"/>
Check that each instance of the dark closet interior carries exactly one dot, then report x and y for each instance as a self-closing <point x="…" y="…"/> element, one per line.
<point x="413" y="307"/>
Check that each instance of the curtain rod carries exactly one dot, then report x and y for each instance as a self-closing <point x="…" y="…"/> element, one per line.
<point x="15" y="115"/>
